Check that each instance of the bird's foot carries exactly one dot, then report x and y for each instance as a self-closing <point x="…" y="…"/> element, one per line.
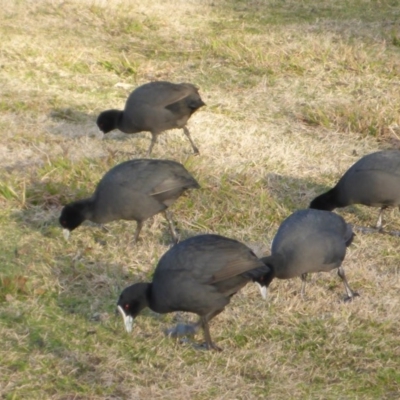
<point x="348" y="299"/>
<point x="175" y="240"/>
<point x="207" y="346"/>
<point x="391" y="233"/>
<point x="211" y="346"/>
<point x="104" y="228"/>
<point x="365" y="230"/>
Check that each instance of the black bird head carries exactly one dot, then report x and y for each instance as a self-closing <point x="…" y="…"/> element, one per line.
<point x="108" y="120"/>
<point x="72" y="216"/>
<point x="326" y="201"/>
<point x="132" y="301"/>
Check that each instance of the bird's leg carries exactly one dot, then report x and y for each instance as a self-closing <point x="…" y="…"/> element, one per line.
<point x="153" y="142"/>
<point x="303" y="284"/>
<point x="350" y="293"/>
<point x="187" y="133"/>
<point x="204" y="324"/>
<point x="104" y="228"/>
<point x="167" y="216"/>
<point x="191" y="329"/>
<point x="137" y="232"/>
<point x="379" y="222"/>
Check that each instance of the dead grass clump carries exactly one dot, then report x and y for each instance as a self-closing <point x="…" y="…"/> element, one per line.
<point x="375" y="117"/>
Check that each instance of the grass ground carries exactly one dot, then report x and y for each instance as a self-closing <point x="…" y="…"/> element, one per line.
<point x="296" y="92"/>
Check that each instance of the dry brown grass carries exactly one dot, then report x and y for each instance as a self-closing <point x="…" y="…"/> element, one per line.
<point x="295" y="94"/>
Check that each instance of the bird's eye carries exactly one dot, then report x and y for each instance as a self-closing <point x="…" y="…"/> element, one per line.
<point x="126" y="306"/>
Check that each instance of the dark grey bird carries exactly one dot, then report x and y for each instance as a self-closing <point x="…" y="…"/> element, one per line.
<point x="374" y="181"/>
<point x="133" y="190"/>
<point x="309" y="241"/>
<point x="155" y="107"/>
<point x="198" y="275"/>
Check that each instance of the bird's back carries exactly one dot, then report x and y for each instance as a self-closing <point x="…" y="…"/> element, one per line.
<point x="138" y="189"/>
<point x="159" y="106"/>
<point x="374" y="180"/>
<point x="386" y="160"/>
<point x="310" y="241"/>
<point x="202" y="272"/>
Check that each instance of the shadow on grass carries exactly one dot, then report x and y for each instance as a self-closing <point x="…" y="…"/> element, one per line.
<point x="73" y="124"/>
<point x="43" y="202"/>
<point x="72" y="121"/>
<point x="91" y="287"/>
<point x="73" y="130"/>
<point x="71" y="116"/>
<point x="292" y="192"/>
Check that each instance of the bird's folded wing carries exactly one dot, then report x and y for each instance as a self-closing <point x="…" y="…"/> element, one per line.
<point x="168" y="185"/>
<point x="236" y="267"/>
<point x="173" y="95"/>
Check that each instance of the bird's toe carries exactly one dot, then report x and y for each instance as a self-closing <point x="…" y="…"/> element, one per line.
<point x="348" y="299"/>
